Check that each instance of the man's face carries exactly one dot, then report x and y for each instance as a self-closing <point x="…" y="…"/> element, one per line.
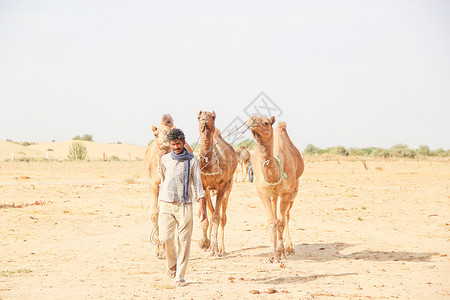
<point x="177" y="146"/>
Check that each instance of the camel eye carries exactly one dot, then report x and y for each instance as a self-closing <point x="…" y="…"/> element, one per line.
<point x="266" y="123"/>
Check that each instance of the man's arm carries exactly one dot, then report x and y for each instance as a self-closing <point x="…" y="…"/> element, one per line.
<point x="202" y="209"/>
<point x="198" y="190"/>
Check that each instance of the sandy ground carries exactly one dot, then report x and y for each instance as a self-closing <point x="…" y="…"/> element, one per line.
<point x="376" y="233"/>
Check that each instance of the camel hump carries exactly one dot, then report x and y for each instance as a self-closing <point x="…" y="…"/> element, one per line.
<point x="282" y="125"/>
<point x="167" y="120"/>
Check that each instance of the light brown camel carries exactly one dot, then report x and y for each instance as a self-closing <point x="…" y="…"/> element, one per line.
<point x="244" y="158"/>
<point x="277" y="166"/>
<point x="153" y="155"/>
<point x="217" y="167"/>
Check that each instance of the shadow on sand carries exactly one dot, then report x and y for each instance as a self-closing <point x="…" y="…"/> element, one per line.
<point x="296" y="279"/>
<point x="327" y="252"/>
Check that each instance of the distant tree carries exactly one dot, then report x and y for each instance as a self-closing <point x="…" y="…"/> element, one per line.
<point x="87" y="137"/>
<point x="423" y="150"/>
<point x="399" y="146"/>
<point x="440" y="152"/>
<point x="357" y="152"/>
<point x="338" y="150"/>
<point x="311" y="150"/>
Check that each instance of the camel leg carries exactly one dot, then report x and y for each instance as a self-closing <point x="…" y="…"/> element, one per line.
<point x="286" y="203"/>
<point x="272" y="222"/>
<point x="204" y="243"/>
<point x="215" y="222"/>
<point x="242" y="171"/>
<point x="289" y="247"/>
<point x="154" y="211"/>
<point x="223" y="218"/>
<point x="212" y="199"/>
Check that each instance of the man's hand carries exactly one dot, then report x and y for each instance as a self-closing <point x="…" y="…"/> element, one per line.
<point x="202" y="209"/>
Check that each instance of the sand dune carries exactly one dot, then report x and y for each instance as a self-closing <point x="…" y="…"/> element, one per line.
<point x="59" y="151"/>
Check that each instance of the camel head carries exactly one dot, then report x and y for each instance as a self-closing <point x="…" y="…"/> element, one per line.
<point x="261" y="128"/>
<point x="161" y="137"/>
<point x="206" y="122"/>
<point x="167" y="120"/>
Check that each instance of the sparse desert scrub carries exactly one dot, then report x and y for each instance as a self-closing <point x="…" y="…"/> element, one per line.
<point x="77" y="151"/>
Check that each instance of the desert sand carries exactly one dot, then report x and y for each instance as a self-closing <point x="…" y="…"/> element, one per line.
<point x="375" y="232"/>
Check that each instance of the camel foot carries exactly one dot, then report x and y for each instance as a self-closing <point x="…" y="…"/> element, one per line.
<point x="273" y="258"/>
<point x="290" y="250"/>
<point x="160" y="255"/>
<point x="214" y="249"/>
<point x="204" y="243"/>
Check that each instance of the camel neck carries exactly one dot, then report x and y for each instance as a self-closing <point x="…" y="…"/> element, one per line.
<point x="207" y="143"/>
<point x="266" y="150"/>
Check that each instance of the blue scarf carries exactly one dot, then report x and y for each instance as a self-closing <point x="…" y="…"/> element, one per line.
<point x="186" y="157"/>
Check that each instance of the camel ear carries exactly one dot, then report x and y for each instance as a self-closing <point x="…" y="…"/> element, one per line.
<point x="214" y="114"/>
<point x="154" y="128"/>
<point x="272" y="120"/>
<point x="199" y="114"/>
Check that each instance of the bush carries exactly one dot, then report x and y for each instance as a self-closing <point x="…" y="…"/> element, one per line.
<point x="369" y="150"/>
<point x="77" y="151"/>
<point x="440" y="152"/>
<point x="402" y="150"/>
<point x="311" y="150"/>
<point x="248" y="143"/>
<point x="385" y="153"/>
<point x="357" y="152"/>
<point x="423" y="150"/>
<point x="85" y="137"/>
<point x="338" y="150"/>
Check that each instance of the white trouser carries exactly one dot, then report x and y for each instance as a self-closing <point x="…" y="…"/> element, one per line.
<point x="171" y="216"/>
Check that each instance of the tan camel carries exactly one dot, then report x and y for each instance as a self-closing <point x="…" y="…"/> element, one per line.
<point x="277" y="166"/>
<point x="153" y="155"/>
<point x="244" y="158"/>
<point x="217" y="166"/>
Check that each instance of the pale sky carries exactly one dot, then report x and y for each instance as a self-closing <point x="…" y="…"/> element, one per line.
<point x="352" y="73"/>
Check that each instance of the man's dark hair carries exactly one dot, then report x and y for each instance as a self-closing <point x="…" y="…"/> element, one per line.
<point x="175" y="135"/>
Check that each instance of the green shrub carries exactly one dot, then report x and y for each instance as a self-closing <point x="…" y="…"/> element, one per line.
<point x="440" y="152"/>
<point x="385" y="153"/>
<point x="423" y="150"/>
<point x="248" y="143"/>
<point x="357" y="152"/>
<point x="311" y="150"/>
<point x="85" y="137"/>
<point x="338" y="150"/>
<point x="77" y="151"/>
<point x="402" y="150"/>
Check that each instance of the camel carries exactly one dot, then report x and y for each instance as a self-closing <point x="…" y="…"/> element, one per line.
<point x="218" y="162"/>
<point x="243" y="158"/>
<point x="153" y="155"/>
<point x="277" y="166"/>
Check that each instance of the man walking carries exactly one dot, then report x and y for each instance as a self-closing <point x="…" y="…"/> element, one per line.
<point x="180" y="183"/>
